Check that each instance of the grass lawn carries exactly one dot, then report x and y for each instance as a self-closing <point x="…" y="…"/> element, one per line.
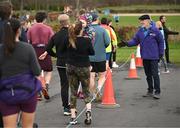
<point x="144" y="7"/>
<point x="124" y="53"/>
<point x="172" y="21"/>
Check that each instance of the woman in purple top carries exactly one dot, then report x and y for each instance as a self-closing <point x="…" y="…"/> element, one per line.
<point x="5" y="13"/>
<point x="12" y="63"/>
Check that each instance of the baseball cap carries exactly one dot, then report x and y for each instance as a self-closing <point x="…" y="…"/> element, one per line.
<point x="94" y="16"/>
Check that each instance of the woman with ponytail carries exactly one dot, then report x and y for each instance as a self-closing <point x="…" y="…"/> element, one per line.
<point x="13" y="63"/>
<point x="5" y="13"/>
<point x="78" y="68"/>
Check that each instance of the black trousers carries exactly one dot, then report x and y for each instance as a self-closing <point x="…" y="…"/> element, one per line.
<point x="64" y="83"/>
<point x="151" y="71"/>
<point x="110" y="60"/>
<point x="167" y="52"/>
<point x="1" y="121"/>
<point x="114" y="56"/>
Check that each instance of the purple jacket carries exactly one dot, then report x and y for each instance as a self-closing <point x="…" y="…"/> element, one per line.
<point x="151" y="45"/>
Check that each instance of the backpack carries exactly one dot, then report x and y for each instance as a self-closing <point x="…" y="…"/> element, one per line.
<point x="19" y="88"/>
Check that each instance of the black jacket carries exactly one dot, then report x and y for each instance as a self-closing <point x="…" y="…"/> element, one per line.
<point x="58" y="41"/>
<point x="1" y="30"/>
<point x="168" y="32"/>
<point x="79" y="56"/>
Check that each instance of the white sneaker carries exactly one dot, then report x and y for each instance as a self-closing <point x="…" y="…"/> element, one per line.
<point x="73" y="121"/>
<point x="167" y="71"/>
<point x="115" y="65"/>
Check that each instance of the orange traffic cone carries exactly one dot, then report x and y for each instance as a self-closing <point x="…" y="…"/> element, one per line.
<point x="132" y="71"/>
<point x="79" y="92"/>
<point x="139" y="62"/>
<point x="108" y="100"/>
<point x="43" y="82"/>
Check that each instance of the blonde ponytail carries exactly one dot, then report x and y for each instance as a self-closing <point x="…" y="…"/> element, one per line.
<point x="74" y="31"/>
<point x="72" y="36"/>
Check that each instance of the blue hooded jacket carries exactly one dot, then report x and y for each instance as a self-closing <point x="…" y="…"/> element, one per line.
<point x="100" y="44"/>
<point x="151" y="43"/>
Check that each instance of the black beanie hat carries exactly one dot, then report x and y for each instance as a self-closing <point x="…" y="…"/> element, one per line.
<point x="144" y="17"/>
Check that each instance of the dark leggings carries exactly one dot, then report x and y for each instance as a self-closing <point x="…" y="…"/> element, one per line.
<point x="1" y="121"/>
<point x="64" y="83"/>
<point x="114" y="56"/>
<point x="110" y="60"/>
<point x="167" y="52"/>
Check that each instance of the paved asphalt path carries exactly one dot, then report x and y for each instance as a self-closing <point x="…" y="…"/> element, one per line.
<point x="134" y="111"/>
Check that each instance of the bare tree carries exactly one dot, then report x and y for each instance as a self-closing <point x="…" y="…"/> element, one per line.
<point x="47" y="5"/>
<point x="22" y="6"/>
<point x="36" y="5"/>
<point x="175" y="2"/>
<point x="77" y="6"/>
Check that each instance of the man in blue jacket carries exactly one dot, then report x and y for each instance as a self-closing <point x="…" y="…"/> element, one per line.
<point x="152" y="49"/>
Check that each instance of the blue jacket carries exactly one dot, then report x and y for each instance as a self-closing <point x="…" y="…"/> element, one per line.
<point x="151" y="43"/>
<point x="23" y="36"/>
<point x="101" y="41"/>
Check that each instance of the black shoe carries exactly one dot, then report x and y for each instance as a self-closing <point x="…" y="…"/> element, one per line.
<point x="88" y="119"/>
<point x="67" y="112"/>
<point x="148" y="94"/>
<point x="166" y="71"/>
<point x="35" y="125"/>
<point x="73" y="121"/>
<point x="156" y="96"/>
<point x="45" y="94"/>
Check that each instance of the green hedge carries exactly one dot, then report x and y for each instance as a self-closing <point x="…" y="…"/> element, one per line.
<point x="126" y="32"/>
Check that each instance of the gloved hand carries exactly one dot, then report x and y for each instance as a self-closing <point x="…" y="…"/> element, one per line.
<point x="177" y="33"/>
<point x="123" y="43"/>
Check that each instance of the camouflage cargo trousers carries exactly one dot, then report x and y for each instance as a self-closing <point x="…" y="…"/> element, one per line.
<point x="76" y="75"/>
